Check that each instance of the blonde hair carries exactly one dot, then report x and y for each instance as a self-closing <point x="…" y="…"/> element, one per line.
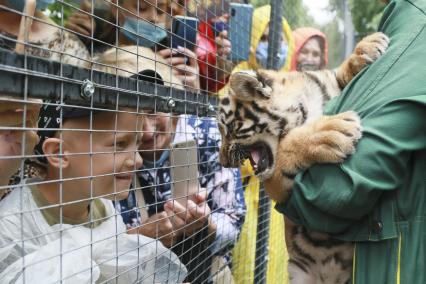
<point x="130" y="60"/>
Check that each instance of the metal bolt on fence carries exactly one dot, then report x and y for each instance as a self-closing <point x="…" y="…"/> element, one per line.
<point x="87" y="89"/>
<point x="211" y="108"/>
<point x="171" y="103"/>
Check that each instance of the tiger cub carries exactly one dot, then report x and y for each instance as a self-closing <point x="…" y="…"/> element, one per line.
<point x="275" y="120"/>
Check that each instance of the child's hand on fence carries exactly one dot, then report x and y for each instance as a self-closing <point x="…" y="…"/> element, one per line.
<point x="199" y="215"/>
<point x="158" y="226"/>
<point x="201" y="199"/>
<point x="190" y="218"/>
<point x="179" y="215"/>
<point x="185" y="65"/>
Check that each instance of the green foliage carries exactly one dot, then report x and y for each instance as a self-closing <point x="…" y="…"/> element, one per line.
<point x="366" y="15"/>
<point x="296" y="14"/>
<point x="337" y="6"/>
<point x="61" y="10"/>
<point x="335" y="43"/>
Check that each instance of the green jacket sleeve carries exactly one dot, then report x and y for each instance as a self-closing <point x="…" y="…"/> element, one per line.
<point x="330" y="197"/>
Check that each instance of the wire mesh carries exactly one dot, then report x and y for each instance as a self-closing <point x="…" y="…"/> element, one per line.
<point x="109" y="158"/>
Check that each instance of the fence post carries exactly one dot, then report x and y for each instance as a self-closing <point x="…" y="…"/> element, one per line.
<point x="349" y="30"/>
<point x="275" y="33"/>
<point x="262" y="237"/>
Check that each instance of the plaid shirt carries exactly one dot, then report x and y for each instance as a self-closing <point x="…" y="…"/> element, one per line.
<point x="225" y="192"/>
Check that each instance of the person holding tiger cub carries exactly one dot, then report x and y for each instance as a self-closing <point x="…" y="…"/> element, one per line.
<point x="376" y="198"/>
<point x="371" y="205"/>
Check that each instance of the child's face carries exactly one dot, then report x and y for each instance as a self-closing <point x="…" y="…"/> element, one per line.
<point x="310" y="54"/>
<point x="113" y="145"/>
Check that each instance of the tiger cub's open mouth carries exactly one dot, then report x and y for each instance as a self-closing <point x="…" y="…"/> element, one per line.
<point x="260" y="156"/>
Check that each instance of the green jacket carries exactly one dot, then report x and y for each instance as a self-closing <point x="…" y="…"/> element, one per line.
<point x="377" y="197"/>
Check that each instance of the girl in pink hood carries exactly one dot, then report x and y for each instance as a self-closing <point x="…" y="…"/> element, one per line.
<point x="311" y="50"/>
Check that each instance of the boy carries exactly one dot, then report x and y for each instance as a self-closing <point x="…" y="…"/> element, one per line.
<point x="89" y="162"/>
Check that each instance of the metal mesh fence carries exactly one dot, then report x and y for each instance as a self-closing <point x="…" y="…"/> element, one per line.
<point x="109" y="158"/>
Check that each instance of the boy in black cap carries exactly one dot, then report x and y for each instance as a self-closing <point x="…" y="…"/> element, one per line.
<point x="87" y="158"/>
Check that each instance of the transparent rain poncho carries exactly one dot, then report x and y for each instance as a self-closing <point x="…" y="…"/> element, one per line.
<point x="32" y="251"/>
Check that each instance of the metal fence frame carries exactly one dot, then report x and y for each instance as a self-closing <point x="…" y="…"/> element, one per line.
<point x="44" y="79"/>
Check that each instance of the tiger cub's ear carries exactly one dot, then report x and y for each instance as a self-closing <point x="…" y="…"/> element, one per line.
<point x="250" y="85"/>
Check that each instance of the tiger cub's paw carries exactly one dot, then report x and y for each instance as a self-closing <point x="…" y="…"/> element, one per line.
<point x="370" y="48"/>
<point x="334" y="137"/>
<point x="329" y="139"/>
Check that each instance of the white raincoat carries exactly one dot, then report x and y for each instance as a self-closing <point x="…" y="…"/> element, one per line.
<point x="32" y="251"/>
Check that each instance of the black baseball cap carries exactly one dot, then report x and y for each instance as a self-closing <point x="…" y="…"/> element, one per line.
<point x="54" y="113"/>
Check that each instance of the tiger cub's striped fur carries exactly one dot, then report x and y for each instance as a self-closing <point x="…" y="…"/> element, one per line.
<point x="275" y="120"/>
